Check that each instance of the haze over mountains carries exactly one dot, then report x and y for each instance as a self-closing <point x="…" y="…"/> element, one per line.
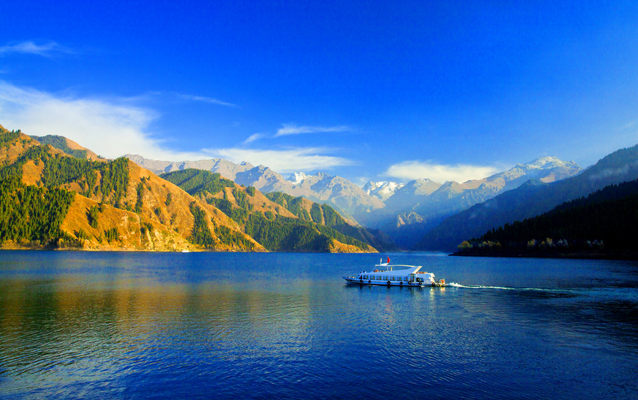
<point x="404" y="211"/>
<point x="530" y="199"/>
<point x="139" y="210"/>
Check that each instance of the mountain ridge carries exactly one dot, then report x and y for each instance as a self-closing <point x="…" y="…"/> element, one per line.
<point x="531" y="199"/>
<point x="117" y="205"/>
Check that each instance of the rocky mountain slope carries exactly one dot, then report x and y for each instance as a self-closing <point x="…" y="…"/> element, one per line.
<point x="349" y="199"/>
<point x="421" y="205"/>
<point x="404" y="212"/>
<point x="382" y="190"/>
<point x="530" y="199"/>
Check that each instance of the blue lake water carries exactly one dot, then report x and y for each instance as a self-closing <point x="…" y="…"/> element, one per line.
<point x="220" y="325"/>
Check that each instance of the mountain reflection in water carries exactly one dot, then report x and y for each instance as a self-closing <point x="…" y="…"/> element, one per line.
<point x="285" y="325"/>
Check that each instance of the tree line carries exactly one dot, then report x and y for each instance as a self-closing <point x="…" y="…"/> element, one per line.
<point x="31" y="213"/>
<point x="607" y="217"/>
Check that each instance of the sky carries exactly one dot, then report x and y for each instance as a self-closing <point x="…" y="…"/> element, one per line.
<point x="367" y="90"/>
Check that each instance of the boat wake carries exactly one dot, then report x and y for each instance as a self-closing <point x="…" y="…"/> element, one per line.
<point x="458" y="285"/>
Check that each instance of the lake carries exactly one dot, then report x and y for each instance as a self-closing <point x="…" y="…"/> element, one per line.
<point x="228" y="325"/>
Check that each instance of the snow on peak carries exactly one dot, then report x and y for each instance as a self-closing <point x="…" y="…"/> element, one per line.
<point x="297" y="178"/>
<point x="547" y="163"/>
<point x="381" y="190"/>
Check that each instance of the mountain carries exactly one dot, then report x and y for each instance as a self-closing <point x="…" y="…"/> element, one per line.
<point x="68" y="146"/>
<point x="310" y="228"/>
<point x="224" y="167"/>
<point x="297" y="178"/>
<point x="381" y="190"/>
<point x="324" y="214"/>
<point x="530" y="199"/>
<point x="605" y="219"/>
<point x="51" y="198"/>
<point x="421" y="205"/>
<point x="349" y="199"/>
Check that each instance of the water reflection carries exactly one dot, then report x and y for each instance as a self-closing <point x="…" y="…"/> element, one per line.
<point x="145" y="326"/>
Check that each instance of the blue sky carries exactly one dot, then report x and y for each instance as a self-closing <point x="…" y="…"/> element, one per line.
<point x="368" y="90"/>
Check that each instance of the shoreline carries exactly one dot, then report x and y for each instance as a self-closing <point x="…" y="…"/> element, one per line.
<point x="575" y="254"/>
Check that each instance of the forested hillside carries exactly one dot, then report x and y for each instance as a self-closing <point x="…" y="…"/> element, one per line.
<point x="30" y="214"/>
<point x="605" y="219"/>
<point x="326" y="215"/>
<point x="107" y="205"/>
<point x="269" y="223"/>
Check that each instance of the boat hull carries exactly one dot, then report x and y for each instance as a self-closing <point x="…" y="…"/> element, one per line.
<point x="355" y="281"/>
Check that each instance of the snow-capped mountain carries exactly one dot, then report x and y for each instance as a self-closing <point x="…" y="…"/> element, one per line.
<point x="297" y="178"/>
<point x="381" y="190"/>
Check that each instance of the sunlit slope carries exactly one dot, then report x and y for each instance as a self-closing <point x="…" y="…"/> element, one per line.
<point x="269" y="223"/>
<point x="117" y="204"/>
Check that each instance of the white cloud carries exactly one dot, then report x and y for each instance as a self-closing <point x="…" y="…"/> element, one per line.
<point x="292" y="129"/>
<point x="283" y="161"/>
<point x="110" y="127"/>
<point x="116" y="126"/>
<point x="205" y="100"/>
<point x="46" y="49"/>
<point x="254" y="137"/>
<point x="410" y="170"/>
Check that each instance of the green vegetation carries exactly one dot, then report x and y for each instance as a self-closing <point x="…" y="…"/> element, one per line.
<point x="232" y="238"/>
<point x="195" y="181"/>
<point x="30" y="213"/>
<point x="608" y="216"/>
<point x="238" y="215"/>
<point x="319" y="213"/>
<point x="169" y="198"/>
<point x="146" y="227"/>
<point x="529" y="200"/>
<point x="271" y="231"/>
<point x="112" y="235"/>
<point x="316" y="214"/>
<point x="290" y="234"/>
<point x="60" y="143"/>
<point x="242" y="199"/>
<point x="92" y="216"/>
<point x="60" y="170"/>
<point x="7" y="138"/>
<point x="290" y="203"/>
<point x="140" y="193"/>
<point x="81" y="234"/>
<point x="200" y="234"/>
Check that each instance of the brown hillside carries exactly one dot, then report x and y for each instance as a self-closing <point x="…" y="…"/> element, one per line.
<point x="152" y="214"/>
<point x="89" y="154"/>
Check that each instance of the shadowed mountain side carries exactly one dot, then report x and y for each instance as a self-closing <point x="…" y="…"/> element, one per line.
<point x="531" y="199"/>
<point x="421" y="205"/>
<point x="604" y="221"/>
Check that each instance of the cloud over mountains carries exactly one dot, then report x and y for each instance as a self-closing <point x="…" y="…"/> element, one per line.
<point x="411" y="170"/>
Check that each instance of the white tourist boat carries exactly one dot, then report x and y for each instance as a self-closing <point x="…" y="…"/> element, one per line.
<point x="385" y="274"/>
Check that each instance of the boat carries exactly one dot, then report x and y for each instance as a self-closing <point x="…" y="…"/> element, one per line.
<point x="385" y="274"/>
